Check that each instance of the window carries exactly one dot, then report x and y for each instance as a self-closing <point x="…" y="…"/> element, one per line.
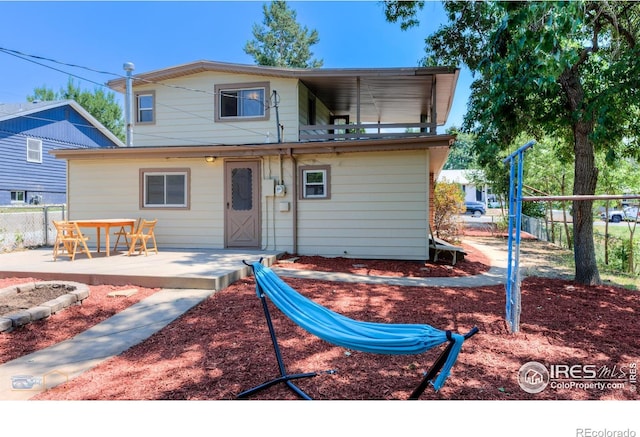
<point x="18" y="196"/>
<point x="315" y="182"/>
<point x="242" y="101"/>
<point x="165" y="188"/>
<point x="34" y="150"/>
<point x="145" y="107"/>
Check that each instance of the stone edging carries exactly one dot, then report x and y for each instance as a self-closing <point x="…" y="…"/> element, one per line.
<point x="11" y="321"/>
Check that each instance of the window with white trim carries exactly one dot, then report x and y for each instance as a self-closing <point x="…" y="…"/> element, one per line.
<point x="18" y="196"/>
<point x="145" y="107"/>
<point x="315" y="182"/>
<point x="165" y="188"/>
<point x="34" y="150"/>
<point x="242" y="101"/>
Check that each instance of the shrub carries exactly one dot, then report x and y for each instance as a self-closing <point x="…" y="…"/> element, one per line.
<point x="449" y="203"/>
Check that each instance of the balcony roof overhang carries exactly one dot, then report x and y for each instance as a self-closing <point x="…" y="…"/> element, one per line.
<point x="388" y="95"/>
<point x="438" y="146"/>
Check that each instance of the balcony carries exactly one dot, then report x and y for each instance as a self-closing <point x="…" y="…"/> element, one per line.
<point x="350" y="132"/>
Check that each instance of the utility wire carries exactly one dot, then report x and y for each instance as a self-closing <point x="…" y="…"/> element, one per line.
<point x="26" y="58"/>
<point x="36" y="58"/>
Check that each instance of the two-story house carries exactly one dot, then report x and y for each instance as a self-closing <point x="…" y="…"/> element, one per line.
<point x="28" y="131"/>
<point x="332" y="162"/>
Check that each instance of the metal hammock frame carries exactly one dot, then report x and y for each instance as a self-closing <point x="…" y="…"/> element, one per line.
<point x="445" y="360"/>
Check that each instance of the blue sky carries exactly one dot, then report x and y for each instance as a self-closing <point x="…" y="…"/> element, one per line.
<point x="103" y="35"/>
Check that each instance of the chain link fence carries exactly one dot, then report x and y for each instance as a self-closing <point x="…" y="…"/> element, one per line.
<point x="29" y="226"/>
<point x="536" y="227"/>
<point x="621" y="254"/>
<point x="543" y="231"/>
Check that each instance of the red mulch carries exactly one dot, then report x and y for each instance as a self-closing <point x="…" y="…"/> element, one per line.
<point x="474" y="263"/>
<point x="222" y="346"/>
<point x="68" y="322"/>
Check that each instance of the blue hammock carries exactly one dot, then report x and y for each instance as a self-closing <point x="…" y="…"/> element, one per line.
<point x="379" y="338"/>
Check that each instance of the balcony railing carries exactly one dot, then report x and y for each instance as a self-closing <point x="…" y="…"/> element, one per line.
<point x="337" y="132"/>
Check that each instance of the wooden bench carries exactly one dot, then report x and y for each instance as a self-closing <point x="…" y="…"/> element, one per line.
<point x="438" y="246"/>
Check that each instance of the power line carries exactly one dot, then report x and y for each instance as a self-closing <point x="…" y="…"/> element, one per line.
<point x="36" y="58"/>
<point x="25" y="57"/>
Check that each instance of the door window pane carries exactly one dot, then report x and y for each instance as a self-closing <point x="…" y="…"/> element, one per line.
<point x="241" y="189"/>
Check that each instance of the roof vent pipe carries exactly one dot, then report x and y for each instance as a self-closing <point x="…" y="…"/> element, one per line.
<point x="128" y="104"/>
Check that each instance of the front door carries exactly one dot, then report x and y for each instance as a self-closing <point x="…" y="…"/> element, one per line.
<point x="242" y="204"/>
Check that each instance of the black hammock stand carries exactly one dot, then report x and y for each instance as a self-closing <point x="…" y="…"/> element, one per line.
<point x="382" y="338"/>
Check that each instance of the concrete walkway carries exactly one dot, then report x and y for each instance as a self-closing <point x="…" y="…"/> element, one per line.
<point x="495" y="276"/>
<point x="23" y="378"/>
<point x="27" y="376"/>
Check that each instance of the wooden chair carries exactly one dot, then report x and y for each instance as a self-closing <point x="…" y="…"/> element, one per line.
<point x="123" y="233"/>
<point x="139" y="239"/>
<point x="68" y="239"/>
<point x="59" y="243"/>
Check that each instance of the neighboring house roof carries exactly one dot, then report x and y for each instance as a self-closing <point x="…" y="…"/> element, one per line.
<point x="389" y="95"/>
<point x="10" y="111"/>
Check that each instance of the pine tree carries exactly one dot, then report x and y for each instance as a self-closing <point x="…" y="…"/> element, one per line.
<point x="280" y="41"/>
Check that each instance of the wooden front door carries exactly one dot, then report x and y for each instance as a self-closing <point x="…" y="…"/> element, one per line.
<point x="242" y="204"/>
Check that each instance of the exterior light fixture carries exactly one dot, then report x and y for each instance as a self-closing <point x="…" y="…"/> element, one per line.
<point x="210" y="158"/>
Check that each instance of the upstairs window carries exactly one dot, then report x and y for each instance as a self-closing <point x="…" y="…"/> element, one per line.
<point x="34" y="150"/>
<point x="315" y="182"/>
<point x="242" y="101"/>
<point x="145" y="107"/>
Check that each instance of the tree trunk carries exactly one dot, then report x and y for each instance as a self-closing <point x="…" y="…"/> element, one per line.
<point x="586" y="178"/>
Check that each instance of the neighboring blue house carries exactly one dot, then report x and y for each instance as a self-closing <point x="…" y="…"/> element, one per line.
<point x="28" y="131"/>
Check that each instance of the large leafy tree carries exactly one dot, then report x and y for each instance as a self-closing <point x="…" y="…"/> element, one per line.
<point x="100" y="104"/>
<point x="461" y="155"/>
<point x="280" y="41"/>
<point x="566" y="69"/>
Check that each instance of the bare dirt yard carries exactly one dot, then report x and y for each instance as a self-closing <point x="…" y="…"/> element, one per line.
<point x="222" y="346"/>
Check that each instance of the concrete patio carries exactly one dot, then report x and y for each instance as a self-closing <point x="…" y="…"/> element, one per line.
<point x="186" y="269"/>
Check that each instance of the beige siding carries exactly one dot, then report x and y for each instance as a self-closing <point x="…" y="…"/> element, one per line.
<point x="277" y="225"/>
<point x="322" y="112"/>
<point x="110" y="189"/>
<point x="378" y="207"/>
<point x="185" y="113"/>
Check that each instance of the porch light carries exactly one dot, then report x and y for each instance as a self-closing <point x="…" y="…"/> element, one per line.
<point x="210" y="158"/>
